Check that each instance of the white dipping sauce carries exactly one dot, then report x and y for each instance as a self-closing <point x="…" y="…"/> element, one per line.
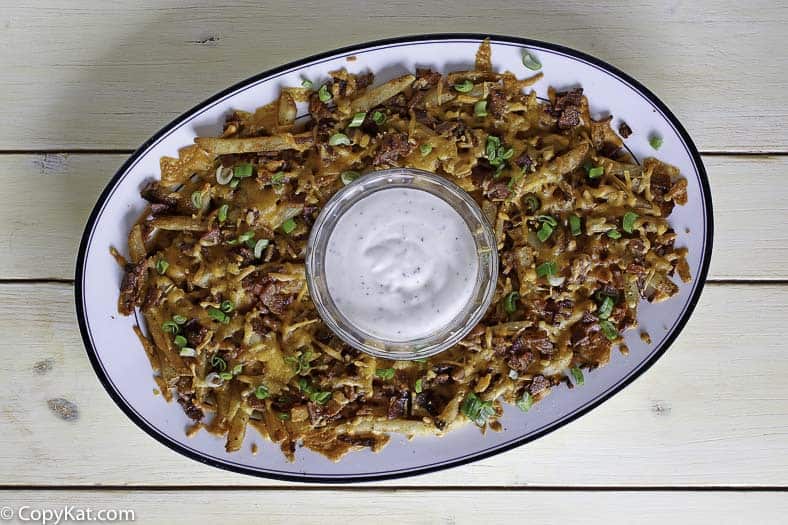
<point x="401" y="264"/>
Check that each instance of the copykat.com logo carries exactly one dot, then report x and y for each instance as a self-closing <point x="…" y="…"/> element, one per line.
<point x="65" y="514"/>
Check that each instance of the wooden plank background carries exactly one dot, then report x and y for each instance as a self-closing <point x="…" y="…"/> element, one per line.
<point x="701" y="437"/>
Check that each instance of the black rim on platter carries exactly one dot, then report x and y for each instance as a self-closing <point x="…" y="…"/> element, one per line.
<point x="194" y="454"/>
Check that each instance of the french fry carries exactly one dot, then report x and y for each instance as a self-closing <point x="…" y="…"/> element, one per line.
<point x="377" y="95"/>
<point x="284" y="141"/>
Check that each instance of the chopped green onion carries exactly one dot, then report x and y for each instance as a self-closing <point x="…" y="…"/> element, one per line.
<point x="179" y="319"/>
<point x="259" y="246"/>
<point x="283" y="416"/>
<point x="379" y="117"/>
<point x="498" y="170"/>
<point x="544" y="232"/>
<point x="628" y="222"/>
<point x="507" y="154"/>
<point x="223" y="175"/>
<point x="219" y="363"/>
<point x="246" y="236"/>
<point x="577" y="375"/>
<point x="300" y="364"/>
<point x="288" y="226"/>
<point x="614" y="234"/>
<point x="530" y="61"/>
<point x="338" y="139"/>
<point x="596" y="172"/>
<point x="188" y="352"/>
<point x="526" y="402"/>
<point x="197" y="199"/>
<point x="358" y="119"/>
<point x="514" y="180"/>
<point x="532" y="203"/>
<point x="243" y="171"/>
<point x="464" y="87"/>
<point x="491" y="147"/>
<point x="513" y="374"/>
<point x="161" y="266"/>
<point x="306" y="83"/>
<point x="418" y="386"/>
<point x="169" y="327"/>
<point x="237" y="369"/>
<point x="234" y="183"/>
<point x="606" y="308"/>
<point x="227" y="306"/>
<point x="222" y="215"/>
<point x="609" y="329"/>
<point x="510" y="302"/>
<point x="218" y="315"/>
<point x="320" y="398"/>
<point x="574" y="225"/>
<point x="425" y="149"/>
<point x="548" y="219"/>
<point x="226" y="376"/>
<point x="180" y="341"/>
<point x="261" y="392"/>
<point x="278" y="178"/>
<point x="480" y="108"/>
<point x="324" y="94"/>
<point x="349" y="176"/>
<point x="477" y="410"/>
<point x="546" y="269"/>
<point x="385" y="373"/>
<point x="655" y="141"/>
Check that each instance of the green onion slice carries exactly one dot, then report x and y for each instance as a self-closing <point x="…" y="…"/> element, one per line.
<point x="609" y="329"/>
<point x="548" y="219"/>
<point x="243" y="171"/>
<point x="259" y="246"/>
<point x="306" y="83"/>
<point x="180" y="341"/>
<point x="261" y="392"/>
<point x="546" y="269"/>
<point x="223" y="175"/>
<point x="226" y="376"/>
<point x="480" y="108"/>
<point x="219" y="363"/>
<point x="246" y="236"/>
<point x="218" y="315"/>
<point x="222" y="215"/>
<point x="358" y="119"/>
<point x="477" y="410"/>
<point x="464" y="87"/>
<point x="614" y="234"/>
<point x="526" y="402"/>
<point x="349" y="176"/>
<point x="510" y="302"/>
<point x="278" y="178"/>
<point x="596" y="172"/>
<point x="169" y="327"/>
<point x="227" y="306"/>
<point x="188" y="352"/>
<point x="606" y="308"/>
<point x="161" y="266"/>
<point x="237" y="369"/>
<point x="288" y="226"/>
<point x="530" y="61"/>
<point x="655" y="141"/>
<point x="283" y="416"/>
<point x="179" y="319"/>
<point x="378" y="117"/>
<point x="577" y="375"/>
<point x="197" y="199"/>
<point x="418" y="387"/>
<point x="425" y="149"/>
<point x="628" y="222"/>
<point x="506" y="154"/>
<point x="544" y="232"/>
<point x="385" y="373"/>
<point x="234" y="183"/>
<point x="338" y="139"/>
<point x="574" y="225"/>
<point x="324" y="94"/>
<point x="532" y="203"/>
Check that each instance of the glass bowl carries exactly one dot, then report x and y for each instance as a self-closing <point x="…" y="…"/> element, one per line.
<point x="480" y="230"/>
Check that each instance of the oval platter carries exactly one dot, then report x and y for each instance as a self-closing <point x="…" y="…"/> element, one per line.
<point x="124" y="370"/>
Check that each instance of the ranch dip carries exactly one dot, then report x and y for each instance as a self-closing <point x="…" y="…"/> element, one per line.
<point x="401" y="264"/>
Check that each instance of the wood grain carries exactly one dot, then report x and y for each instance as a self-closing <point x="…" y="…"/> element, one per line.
<point x="275" y="507"/>
<point x="712" y="412"/>
<point x="108" y="74"/>
<point x="42" y="229"/>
